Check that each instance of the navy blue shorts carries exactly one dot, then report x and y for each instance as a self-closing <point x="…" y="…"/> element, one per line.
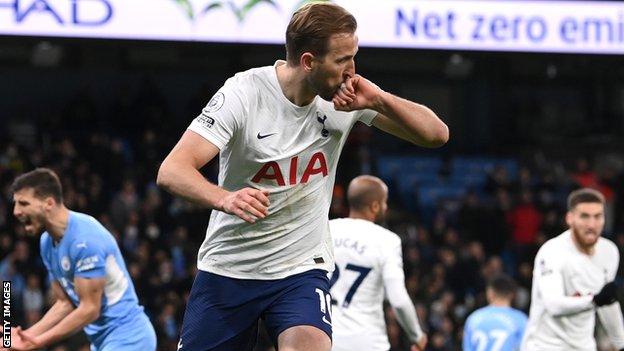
<point x="223" y="313"/>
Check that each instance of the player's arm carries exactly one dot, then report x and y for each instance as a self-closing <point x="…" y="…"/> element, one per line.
<point x="394" y="285"/>
<point x="405" y="311"/>
<point x="212" y="130"/>
<point x="90" y="292"/>
<point x="402" y="118"/>
<point x="610" y="317"/>
<point x="466" y="345"/>
<point x="61" y="308"/>
<point x="522" y="323"/>
<point x="179" y="174"/>
<point x="549" y="282"/>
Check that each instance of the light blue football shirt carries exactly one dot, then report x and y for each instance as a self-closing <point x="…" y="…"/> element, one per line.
<point x="494" y="328"/>
<point x="88" y="250"/>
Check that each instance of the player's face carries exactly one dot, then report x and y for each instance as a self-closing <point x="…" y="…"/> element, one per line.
<point x="30" y="210"/>
<point x="586" y="221"/>
<point x="335" y="67"/>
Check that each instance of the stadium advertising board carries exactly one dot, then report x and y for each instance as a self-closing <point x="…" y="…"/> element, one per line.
<point x="535" y="26"/>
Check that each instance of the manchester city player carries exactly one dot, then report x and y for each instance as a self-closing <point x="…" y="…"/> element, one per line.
<point x="498" y="326"/>
<point x="88" y="275"/>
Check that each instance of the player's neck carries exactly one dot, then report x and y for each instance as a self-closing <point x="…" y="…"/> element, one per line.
<point x="57" y="222"/>
<point x="365" y="215"/>
<point x="500" y="303"/>
<point x="294" y="86"/>
<point x="584" y="249"/>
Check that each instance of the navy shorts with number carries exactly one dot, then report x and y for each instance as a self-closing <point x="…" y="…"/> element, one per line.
<point x="222" y="313"/>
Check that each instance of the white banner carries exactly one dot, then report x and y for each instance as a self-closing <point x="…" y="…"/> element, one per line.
<point x="537" y="26"/>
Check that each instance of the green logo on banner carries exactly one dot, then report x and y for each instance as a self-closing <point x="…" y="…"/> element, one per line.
<point x="240" y="12"/>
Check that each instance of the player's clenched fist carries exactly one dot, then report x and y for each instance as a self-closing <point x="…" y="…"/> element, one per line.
<point x="248" y="203"/>
<point x="357" y="93"/>
<point x="607" y="295"/>
<point x="420" y="345"/>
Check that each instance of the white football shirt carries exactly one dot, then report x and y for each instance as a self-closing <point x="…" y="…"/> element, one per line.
<point x="267" y="142"/>
<point x="562" y="314"/>
<point x="368" y="263"/>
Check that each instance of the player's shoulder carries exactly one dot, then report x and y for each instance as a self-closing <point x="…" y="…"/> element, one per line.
<point x="344" y="227"/>
<point x="248" y="80"/>
<point x="519" y="315"/>
<point x="557" y="246"/>
<point x="475" y="316"/>
<point x="388" y="236"/>
<point x="45" y="241"/>
<point x="606" y="246"/>
<point x="86" y="228"/>
<point x="83" y="220"/>
<point x="363" y="228"/>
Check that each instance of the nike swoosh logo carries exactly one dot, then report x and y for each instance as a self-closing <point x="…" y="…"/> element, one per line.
<point x="264" y="136"/>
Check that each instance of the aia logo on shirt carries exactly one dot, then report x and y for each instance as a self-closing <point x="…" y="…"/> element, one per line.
<point x="272" y="170"/>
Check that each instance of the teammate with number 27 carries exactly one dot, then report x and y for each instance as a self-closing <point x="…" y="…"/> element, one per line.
<point x="368" y="263"/>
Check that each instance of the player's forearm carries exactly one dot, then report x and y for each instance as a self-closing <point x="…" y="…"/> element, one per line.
<point x="611" y="318"/>
<point x="558" y="306"/>
<point x="407" y="318"/>
<point x="404" y="308"/>
<point x="420" y="123"/>
<point x="183" y="180"/>
<point x="56" y="313"/>
<point x="73" y="322"/>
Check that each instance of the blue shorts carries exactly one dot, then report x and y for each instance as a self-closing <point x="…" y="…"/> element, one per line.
<point x="222" y="313"/>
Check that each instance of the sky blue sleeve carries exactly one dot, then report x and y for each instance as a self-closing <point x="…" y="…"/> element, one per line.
<point x="522" y="322"/>
<point x="43" y="252"/>
<point x="89" y="256"/>
<point x="466" y="346"/>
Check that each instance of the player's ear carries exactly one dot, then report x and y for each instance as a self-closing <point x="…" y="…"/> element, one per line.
<point x="375" y="206"/>
<point x="49" y="202"/>
<point x="307" y="61"/>
<point x="568" y="218"/>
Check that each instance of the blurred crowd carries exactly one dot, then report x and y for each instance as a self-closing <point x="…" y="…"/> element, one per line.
<point x="108" y="168"/>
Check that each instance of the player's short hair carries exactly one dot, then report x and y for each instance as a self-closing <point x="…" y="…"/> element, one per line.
<point x="502" y="285"/>
<point x="311" y="27"/>
<point x="43" y="181"/>
<point x="584" y="195"/>
<point x="364" y="190"/>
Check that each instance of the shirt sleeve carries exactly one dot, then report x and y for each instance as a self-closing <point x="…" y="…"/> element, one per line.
<point x="522" y="322"/>
<point x="466" y="346"/>
<point x="394" y="284"/>
<point x="366" y="116"/>
<point x="89" y="257"/>
<point x="44" y="257"/>
<point x="610" y="316"/>
<point x="549" y="282"/>
<point x="221" y="117"/>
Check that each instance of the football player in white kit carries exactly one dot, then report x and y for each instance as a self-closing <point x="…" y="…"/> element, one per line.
<point x="369" y="265"/>
<point x="573" y="282"/>
<point x="278" y="131"/>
